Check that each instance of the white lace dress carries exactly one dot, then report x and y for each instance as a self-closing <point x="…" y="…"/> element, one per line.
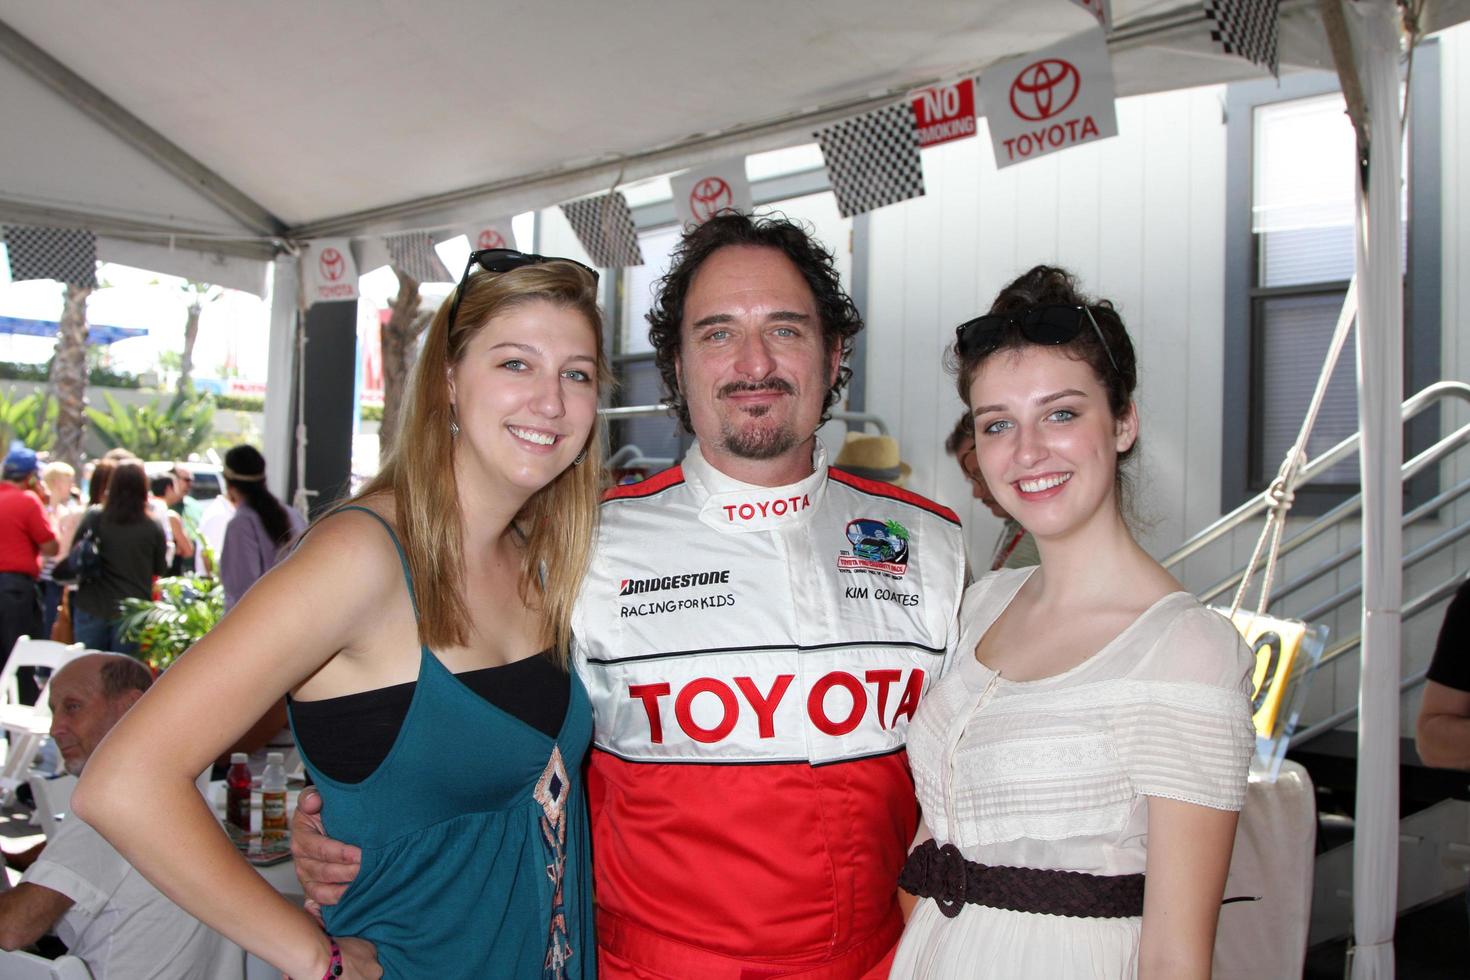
<point x="1056" y="774"/>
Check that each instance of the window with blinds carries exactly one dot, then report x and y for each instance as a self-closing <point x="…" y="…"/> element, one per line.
<point x="1302" y="202"/>
<point x="1290" y="177"/>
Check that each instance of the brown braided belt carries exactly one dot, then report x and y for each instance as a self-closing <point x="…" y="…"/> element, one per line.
<point x="943" y="874"/>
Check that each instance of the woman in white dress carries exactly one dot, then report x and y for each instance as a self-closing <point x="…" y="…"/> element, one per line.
<point x="1094" y="732"/>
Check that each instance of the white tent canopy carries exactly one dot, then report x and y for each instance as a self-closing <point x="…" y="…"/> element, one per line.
<point x="242" y="123"/>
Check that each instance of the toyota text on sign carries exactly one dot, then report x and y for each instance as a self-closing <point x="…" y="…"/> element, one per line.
<point x="1050" y="100"/>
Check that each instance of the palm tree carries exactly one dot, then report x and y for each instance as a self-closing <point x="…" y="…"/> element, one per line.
<point x="400" y="347"/>
<point x="69" y="376"/>
<point x="199" y="293"/>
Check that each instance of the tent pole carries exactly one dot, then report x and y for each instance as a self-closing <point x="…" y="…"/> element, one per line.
<point x="281" y="365"/>
<point x="1373" y="26"/>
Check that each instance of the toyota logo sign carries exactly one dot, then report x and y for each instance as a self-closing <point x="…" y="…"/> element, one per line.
<point x="1045" y="89"/>
<point x="332" y="264"/>
<point x="709" y="197"/>
<point x="490" y="238"/>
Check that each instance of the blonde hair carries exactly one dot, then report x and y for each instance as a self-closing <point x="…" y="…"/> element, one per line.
<point x="560" y="519"/>
<point x="51" y="471"/>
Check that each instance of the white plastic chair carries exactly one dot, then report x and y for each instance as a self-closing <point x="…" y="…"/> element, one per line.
<point x="26" y="726"/>
<point x="34" y="653"/>
<point x="29" y="966"/>
<point x="53" y="800"/>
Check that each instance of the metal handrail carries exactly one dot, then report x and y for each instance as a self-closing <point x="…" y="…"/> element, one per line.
<point x="1409" y="611"/>
<point x="1426" y="550"/>
<point x="1342" y="558"/>
<point x="1258" y="505"/>
<point x="1423" y="602"/>
<point x="1332" y="518"/>
<point x="1348" y="714"/>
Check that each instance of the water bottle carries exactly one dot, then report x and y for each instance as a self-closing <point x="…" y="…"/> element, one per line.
<point x="237" y="792"/>
<point x="273" y="799"/>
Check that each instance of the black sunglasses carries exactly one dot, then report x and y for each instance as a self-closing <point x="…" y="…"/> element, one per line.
<point x="1050" y="325"/>
<point x="503" y="260"/>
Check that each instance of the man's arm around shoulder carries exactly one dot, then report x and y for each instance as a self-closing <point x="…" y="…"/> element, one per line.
<point x="27" y="912"/>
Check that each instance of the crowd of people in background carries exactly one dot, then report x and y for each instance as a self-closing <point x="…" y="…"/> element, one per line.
<point x="74" y="546"/>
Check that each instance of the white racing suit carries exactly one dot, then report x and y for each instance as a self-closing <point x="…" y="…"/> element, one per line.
<point x="754" y="656"/>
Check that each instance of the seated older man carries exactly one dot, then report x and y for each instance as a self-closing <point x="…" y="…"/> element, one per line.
<point x="78" y="886"/>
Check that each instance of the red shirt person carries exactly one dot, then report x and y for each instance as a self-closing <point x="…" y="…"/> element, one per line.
<point x="25" y="535"/>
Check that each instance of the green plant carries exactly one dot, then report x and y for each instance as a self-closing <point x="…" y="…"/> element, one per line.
<point x="240" y="403"/>
<point x="155" y="432"/>
<point x="22" y="371"/>
<point x="372" y="413"/>
<point x="29" y="418"/>
<point x="182" y="611"/>
<point x="101" y="377"/>
<point x="106" y="377"/>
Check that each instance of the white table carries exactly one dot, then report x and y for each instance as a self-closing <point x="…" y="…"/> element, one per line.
<point x="282" y="877"/>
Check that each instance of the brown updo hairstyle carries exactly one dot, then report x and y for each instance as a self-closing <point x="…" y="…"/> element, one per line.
<point x="1049" y="285"/>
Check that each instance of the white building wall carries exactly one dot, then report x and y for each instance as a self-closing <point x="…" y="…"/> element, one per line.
<point x="1140" y="219"/>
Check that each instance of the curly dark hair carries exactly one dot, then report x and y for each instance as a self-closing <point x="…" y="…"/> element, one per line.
<point x="840" y="318"/>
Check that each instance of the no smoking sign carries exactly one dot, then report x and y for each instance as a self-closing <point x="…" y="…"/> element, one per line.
<point x="945" y="112"/>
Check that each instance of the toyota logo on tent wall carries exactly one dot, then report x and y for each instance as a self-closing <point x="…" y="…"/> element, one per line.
<point x="332" y="264"/>
<point x="1045" y="89"/>
<point x="490" y="238"/>
<point x="709" y="197"/>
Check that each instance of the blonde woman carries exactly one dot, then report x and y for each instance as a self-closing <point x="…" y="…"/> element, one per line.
<point x="422" y="632"/>
<point x="65" y="513"/>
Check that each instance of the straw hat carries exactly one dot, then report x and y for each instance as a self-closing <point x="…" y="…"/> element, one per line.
<point x="873" y="457"/>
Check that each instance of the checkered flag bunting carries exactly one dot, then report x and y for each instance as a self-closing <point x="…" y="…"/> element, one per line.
<point x="65" y="254"/>
<point x="1247" y="28"/>
<point x="604" y="226"/>
<point x="873" y="159"/>
<point x="413" y="252"/>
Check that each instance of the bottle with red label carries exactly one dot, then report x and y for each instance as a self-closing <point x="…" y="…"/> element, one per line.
<point x="273" y="799"/>
<point x="237" y="792"/>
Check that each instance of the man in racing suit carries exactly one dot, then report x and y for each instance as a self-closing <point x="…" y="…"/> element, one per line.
<point x="755" y="633"/>
<point x="754" y="655"/>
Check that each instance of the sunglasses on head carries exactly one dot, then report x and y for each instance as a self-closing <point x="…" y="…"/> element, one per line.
<point x="1049" y="325"/>
<point x="503" y="260"/>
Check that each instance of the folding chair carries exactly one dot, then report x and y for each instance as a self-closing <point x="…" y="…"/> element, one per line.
<point x="29" y="966"/>
<point x="25" y="725"/>
<point x="37" y="654"/>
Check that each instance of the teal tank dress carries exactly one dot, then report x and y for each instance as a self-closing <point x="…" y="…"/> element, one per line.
<point x="474" y="838"/>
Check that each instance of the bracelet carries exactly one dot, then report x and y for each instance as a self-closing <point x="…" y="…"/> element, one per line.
<point x="334" y="965"/>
